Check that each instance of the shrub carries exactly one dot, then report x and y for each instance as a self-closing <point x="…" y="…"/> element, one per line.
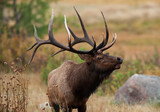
<point x="51" y="64"/>
<point x="13" y="90"/>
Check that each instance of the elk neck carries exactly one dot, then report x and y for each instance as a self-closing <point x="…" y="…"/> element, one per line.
<point x="85" y="78"/>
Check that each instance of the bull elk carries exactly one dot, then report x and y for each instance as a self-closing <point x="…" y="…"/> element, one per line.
<point x="71" y="84"/>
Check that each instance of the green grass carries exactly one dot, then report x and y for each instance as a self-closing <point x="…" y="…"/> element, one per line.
<point x="52" y="64"/>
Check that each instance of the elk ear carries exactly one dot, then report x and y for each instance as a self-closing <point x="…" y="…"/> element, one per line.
<point x="86" y="57"/>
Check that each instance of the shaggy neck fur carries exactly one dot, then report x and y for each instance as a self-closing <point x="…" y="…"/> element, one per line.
<point x="85" y="78"/>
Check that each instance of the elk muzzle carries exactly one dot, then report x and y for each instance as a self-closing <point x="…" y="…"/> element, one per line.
<point x="118" y="64"/>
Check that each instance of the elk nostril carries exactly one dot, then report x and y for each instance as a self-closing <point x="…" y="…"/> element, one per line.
<point x="120" y="59"/>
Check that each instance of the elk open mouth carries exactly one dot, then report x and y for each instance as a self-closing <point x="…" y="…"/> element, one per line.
<point x="117" y="66"/>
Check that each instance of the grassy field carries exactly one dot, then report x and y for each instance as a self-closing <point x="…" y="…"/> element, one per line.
<point x="37" y="95"/>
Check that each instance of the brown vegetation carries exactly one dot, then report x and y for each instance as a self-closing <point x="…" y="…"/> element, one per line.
<point x="13" y="90"/>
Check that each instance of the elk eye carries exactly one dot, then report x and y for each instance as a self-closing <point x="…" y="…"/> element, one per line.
<point x="99" y="58"/>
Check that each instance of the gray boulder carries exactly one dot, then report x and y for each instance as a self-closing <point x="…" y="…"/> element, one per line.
<point x="139" y="89"/>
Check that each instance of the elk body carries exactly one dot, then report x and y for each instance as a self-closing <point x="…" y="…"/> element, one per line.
<point x="71" y="84"/>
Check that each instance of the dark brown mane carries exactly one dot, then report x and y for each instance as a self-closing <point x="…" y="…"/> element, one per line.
<point x="86" y="78"/>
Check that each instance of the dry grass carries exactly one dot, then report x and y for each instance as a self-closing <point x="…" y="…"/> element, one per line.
<point x="105" y="104"/>
<point x="13" y="92"/>
<point x="36" y="92"/>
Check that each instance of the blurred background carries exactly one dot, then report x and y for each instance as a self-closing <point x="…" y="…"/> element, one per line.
<point x="136" y="22"/>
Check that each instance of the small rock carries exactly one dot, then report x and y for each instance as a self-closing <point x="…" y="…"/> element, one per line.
<point x="44" y="106"/>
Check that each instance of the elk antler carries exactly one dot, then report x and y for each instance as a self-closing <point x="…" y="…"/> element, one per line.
<point x="111" y="44"/>
<point x="54" y="42"/>
<point x="101" y="47"/>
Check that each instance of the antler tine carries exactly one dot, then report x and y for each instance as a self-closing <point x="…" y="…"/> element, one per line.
<point x="61" y="50"/>
<point x="35" y="33"/>
<point x="110" y="45"/>
<point x="68" y="32"/>
<point x="37" y="38"/>
<point x="106" y="28"/>
<point x="32" y="46"/>
<point x="105" y="41"/>
<point x="82" y="25"/>
<point x="38" y="43"/>
<point x="101" y="44"/>
<point x="36" y="50"/>
<point x="85" y="38"/>
<point x="70" y="44"/>
<point x="50" y="33"/>
<point x="82" y="52"/>
<point x="66" y="26"/>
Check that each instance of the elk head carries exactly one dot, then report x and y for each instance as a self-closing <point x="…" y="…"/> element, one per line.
<point x="94" y="56"/>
